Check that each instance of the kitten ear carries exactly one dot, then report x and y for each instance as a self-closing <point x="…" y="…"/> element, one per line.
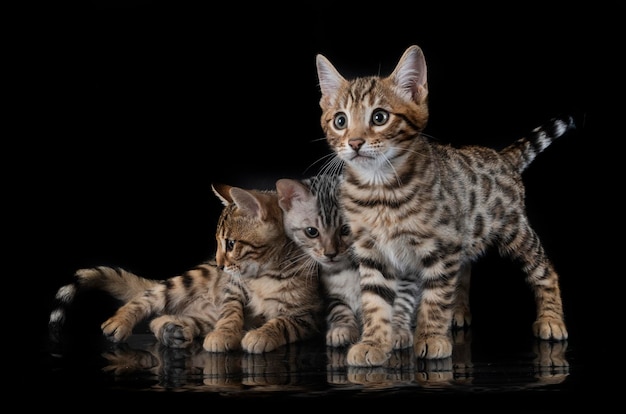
<point x="248" y="202"/>
<point x="244" y="199"/>
<point x="290" y="191"/>
<point x="410" y="75"/>
<point x="329" y="78"/>
<point x="222" y="191"/>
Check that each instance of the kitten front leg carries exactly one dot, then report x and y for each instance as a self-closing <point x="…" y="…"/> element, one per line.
<point x="280" y="331"/>
<point x="343" y="307"/>
<point x="342" y="326"/>
<point x="339" y="335"/>
<point x="377" y="295"/>
<point x="228" y="330"/>
<point x="434" y="319"/>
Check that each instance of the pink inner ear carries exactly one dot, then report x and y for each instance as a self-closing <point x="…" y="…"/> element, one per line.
<point x="247" y="202"/>
<point x="410" y="74"/>
<point x="284" y="190"/>
<point x="290" y="191"/>
<point x="287" y="193"/>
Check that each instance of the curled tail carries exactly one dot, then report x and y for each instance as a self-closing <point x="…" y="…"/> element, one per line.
<point x="119" y="283"/>
<point x="523" y="151"/>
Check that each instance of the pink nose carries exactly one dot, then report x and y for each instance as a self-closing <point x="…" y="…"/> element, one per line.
<point x="356" y="143"/>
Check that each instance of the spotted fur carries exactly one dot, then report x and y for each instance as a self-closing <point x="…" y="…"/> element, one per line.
<point x="422" y="212"/>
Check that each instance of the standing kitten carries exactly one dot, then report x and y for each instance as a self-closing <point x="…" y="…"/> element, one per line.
<point x="421" y="212"/>
<point x="315" y="222"/>
<point x="258" y="295"/>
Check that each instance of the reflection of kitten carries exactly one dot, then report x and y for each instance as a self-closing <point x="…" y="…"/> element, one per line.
<point x="193" y="368"/>
<point x="314" y="221"/>
<point x="258" y="277"/>
<point x="422" y="212"/>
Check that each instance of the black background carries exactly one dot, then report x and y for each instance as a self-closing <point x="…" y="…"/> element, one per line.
<point x="132" y="109"/>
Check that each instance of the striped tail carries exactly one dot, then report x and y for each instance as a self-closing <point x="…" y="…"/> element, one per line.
<point x="119" y="283"/>
<point x="523" y="151"/>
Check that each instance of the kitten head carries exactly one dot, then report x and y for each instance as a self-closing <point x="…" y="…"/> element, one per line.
<point x="313" y="220"/>
<point x="249" y="230"/>
<point x="370" y="121"/>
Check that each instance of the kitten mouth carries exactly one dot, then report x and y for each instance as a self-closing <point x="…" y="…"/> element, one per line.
<point x="360" y="157"/>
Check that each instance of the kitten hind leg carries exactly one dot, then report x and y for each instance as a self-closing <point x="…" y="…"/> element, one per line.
<point x="462" y="316"/>
<point x="173" y="331"/>
<point x="544" y="281"/>
<point x="120" y="326"/>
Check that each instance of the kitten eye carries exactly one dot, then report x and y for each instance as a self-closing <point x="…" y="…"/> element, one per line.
<point x="340" y="121"/>
<point x="311" y="232"/>
<point x="345" y="230"/>
<point x="230" y="245"/>
<point x="380" y="117"/>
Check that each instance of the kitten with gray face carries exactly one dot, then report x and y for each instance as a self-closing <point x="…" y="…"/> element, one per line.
<point x="314" y="220"/>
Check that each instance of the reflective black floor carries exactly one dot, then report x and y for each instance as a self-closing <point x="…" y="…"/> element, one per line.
<point x="127" y="183"/>
<point x="516" y="373"/>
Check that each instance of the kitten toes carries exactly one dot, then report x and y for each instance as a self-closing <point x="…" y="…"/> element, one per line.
<point x="338" y="336"/>
<point x="175" y="336"/>
<point x="402" y="338"/>
<point x="115" y="331"/>
<point x="433" y="347"/>
<point x="124" y="361"/>
<point x="550" y="329"/>
<point x="461" y="319"/>
<point x="256" y="342"/>
<point x="220" y="342"/>
<point x="366" y="355"/>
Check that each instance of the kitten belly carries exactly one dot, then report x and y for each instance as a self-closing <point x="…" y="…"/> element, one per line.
<point x="402" y="254"/>
<point x="345" y="284"/>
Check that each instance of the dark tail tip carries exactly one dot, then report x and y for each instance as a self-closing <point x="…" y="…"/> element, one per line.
<point x="562" y="125"/>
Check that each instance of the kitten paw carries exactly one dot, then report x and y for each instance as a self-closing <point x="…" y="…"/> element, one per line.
<point x="221" y="342"/>
<point x="366" y="355"/>
<point x="402" y="338"/>
<point x="124" y="361"/>
<point x="461" y="319"/>
<point x="175" y="336"/>
<point x="433" y="347"/>
<point x="550" y="329"/>
<point x="256" y="342"/>
<point x="115" y="330"/>
<point x="550" y="355"/>
<point x="341" y="335"/>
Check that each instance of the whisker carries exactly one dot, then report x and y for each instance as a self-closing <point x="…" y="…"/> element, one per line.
<point x="322" y="159"/>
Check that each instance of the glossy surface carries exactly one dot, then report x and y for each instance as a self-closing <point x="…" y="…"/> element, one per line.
<point x="517" y="371"/>
<point x="123" y="135"/>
